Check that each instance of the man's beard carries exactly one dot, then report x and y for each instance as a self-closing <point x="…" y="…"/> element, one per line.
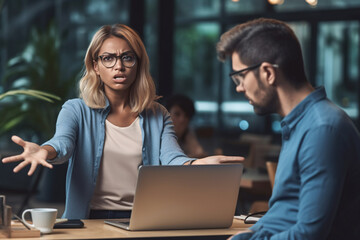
<point x="268" y="100"/>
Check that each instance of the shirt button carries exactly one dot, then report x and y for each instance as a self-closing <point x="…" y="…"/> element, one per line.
<point x="143" y="149"/>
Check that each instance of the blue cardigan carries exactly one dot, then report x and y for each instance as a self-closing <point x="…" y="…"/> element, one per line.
<point x="79" y="139"/>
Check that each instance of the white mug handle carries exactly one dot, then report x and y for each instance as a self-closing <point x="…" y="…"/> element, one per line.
<point x="24" y="220"/>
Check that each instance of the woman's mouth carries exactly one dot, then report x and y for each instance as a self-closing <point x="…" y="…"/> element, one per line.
<point x="119" y="78"/>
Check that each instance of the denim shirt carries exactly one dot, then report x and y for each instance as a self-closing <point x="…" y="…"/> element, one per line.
<point x="79" y="139"/>
<point x="316" y="193"/>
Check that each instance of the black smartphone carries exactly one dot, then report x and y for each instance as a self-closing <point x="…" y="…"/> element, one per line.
<point x="70" y="223"/>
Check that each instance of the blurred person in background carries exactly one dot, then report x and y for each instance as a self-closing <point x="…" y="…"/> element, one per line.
<point x="182" y="110"/>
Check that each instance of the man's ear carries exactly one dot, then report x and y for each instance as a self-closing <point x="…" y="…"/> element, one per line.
<point x="268" y="71"/>
<point x="96" y="67"/>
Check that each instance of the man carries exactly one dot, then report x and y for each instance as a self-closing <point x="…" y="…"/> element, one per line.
<point x="317" y="184"/>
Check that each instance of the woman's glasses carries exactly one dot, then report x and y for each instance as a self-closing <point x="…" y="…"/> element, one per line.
<point x="128" y="59"/>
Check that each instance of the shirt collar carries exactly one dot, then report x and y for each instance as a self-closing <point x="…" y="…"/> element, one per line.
<point x="106" y="109"/>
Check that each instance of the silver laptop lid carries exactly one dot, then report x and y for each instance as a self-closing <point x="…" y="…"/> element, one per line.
<point x="186" y="197"/>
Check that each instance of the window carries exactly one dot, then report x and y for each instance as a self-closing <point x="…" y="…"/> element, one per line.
<point x="338" y="63"/>
<point x="196" y="68"/>
<point x="151" y="35"/>
<point x="244" y="7"/>
<point x="188" y="9"/>
<point x="330" y="51"/>
<point x="302" y="5"/>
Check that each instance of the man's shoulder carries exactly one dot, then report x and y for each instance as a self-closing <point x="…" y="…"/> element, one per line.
<point x="325" y="120"/>
<point x="326" y="113"/>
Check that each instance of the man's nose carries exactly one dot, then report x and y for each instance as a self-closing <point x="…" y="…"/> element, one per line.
<point x="240" y="88"/>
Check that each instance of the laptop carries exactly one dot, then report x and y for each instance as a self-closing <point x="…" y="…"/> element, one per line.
<point x="184" y="197"/>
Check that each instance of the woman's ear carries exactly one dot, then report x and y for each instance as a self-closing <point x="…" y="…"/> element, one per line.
<point x="269" y="72"/>
<point x="96" y="67"/>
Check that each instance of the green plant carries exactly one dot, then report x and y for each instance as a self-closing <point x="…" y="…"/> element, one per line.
<point x="7" y="123"/>
<point x="33" y="93"/>
<point x="37" y="67"/>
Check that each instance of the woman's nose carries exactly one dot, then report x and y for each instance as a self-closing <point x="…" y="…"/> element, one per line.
<point x="119" y="65"/>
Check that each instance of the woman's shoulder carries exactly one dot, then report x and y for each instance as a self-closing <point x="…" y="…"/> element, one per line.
<point x="75" y="102"/>
<point x="156" y="112"/>
<point x="157" y="109"/>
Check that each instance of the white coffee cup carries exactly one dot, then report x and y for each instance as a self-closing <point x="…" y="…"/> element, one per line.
<point x="42" y="218"/>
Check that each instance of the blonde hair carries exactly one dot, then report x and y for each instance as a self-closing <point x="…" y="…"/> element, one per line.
<point x="142" y="91"/>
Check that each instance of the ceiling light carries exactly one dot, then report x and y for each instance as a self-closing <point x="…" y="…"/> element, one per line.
<point x="276" y="2"/>
<point x="312" y="2"/>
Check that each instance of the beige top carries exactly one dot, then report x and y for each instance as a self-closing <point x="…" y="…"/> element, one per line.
<point x="122" y="156"/>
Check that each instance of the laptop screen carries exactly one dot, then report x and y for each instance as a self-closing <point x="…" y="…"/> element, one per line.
<point x="185" y="197"/>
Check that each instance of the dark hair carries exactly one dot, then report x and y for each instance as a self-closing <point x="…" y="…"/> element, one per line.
<point x="265" y="40"/>
<point x="184" y="102"/>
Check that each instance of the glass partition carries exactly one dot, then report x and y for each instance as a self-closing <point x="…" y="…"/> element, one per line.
<point x="185" y="9"/>
<point x="244" y="7"/>
<point x="338" y="63"/>
<point x="196" y="68"/>
<point x="151" y="35"/>
<point x="312" y="5"/>
<point x="330" y="52"/>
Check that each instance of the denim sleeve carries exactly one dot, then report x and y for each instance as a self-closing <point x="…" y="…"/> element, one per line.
<point x="322" y="166"/>
<point x="66" y="131"/>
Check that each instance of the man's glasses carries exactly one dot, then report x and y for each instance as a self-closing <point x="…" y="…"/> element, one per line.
<point x="128" y="59"/>
<point x="238" y="76"/>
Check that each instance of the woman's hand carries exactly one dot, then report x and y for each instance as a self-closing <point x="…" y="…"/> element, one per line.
<point x="33" y="154"/>
<point x="218" y="159"/>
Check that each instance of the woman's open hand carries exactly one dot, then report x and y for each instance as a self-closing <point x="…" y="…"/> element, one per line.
<point x="219" y="159"/>
<point x="33" y="154"/>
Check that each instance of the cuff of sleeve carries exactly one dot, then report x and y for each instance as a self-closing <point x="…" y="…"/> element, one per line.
<point x="191" y="161"/>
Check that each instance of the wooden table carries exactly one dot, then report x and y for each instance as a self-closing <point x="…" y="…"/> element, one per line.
<point x="97" y="229"/>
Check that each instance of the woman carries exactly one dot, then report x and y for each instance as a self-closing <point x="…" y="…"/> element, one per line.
<point x="107" y="133"/>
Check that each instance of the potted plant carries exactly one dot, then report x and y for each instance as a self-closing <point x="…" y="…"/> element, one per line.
<point x="37" y="67"/>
